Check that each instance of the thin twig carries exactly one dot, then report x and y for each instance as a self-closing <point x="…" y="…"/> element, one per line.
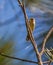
<point x="46" y="62"/>
<point x="45" y="40"/>
<point x="11" y="57"/>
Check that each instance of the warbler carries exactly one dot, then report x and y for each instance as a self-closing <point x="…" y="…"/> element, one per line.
<point x="32" y="26"/>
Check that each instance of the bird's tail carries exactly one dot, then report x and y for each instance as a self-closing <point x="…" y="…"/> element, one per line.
<point x="27" y="38"/>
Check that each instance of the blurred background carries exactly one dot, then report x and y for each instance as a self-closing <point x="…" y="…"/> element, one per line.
<point x="13" y="30"/>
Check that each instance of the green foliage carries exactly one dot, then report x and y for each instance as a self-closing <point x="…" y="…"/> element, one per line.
<point x="29" y="2"/>
<point x="7" y="50"/>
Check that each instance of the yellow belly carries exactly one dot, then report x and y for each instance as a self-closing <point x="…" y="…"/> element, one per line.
<point x="32" y="25"/>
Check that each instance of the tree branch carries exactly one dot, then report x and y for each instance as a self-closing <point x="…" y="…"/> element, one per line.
<point x="30" y="33"/>
<point x="11" y="57"/>
<point x="45" y="40"/>
<point x="38" y="54"/>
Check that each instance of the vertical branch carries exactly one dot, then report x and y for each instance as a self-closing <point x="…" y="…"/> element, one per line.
<point x="28" y="27"/>
<point x="30" y="33"/>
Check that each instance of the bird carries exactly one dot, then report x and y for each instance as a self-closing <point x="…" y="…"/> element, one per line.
<point x="32" y="26"/>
